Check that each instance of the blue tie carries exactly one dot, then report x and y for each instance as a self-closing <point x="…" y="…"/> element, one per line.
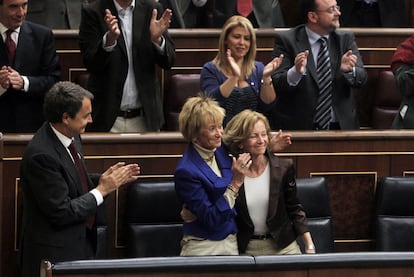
<point x="324" y="106"/>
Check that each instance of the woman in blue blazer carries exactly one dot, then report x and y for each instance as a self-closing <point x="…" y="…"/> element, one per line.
<point x="207" y="181"/>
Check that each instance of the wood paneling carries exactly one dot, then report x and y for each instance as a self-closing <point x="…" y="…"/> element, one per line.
<point x="352" y="161"/>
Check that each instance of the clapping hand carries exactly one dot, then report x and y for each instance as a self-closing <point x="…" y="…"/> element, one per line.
<point x="158" y="27"/>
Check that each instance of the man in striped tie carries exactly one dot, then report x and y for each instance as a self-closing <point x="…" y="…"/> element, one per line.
<point x="321" y="65"/>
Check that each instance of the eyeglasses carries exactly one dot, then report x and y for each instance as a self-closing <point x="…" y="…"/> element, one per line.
<point x="331" y="9"/>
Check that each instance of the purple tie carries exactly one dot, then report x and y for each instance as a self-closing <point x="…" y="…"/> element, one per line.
<point x="11" y="45"/>
<point x="82" y="175"/>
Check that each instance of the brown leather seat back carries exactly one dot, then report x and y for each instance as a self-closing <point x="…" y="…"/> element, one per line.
<point x="386" y="101"/>
<point x="182" y="86"/>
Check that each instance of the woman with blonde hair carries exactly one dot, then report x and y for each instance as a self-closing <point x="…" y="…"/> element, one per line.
<point x="269" y="214"/>
<point x="234" y="78"/>
<point x="207" y="181"/>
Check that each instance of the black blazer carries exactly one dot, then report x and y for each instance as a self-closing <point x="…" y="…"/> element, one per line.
<point x="35" y="58"/>
<point x="109" y="69"/>
<point x="296" y="105"/>
<point x="55" y="208"/>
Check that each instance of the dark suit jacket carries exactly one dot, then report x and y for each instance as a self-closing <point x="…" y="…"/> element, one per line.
<point x="35" y="58"/>
<point x="267" y="13"/>
<point x="109" y="69"/>
<point x="55" y="208"/>
<point x="392" y="13"/>
<point x="56" y="14"/>
<point x="404" y="77"/>
<point x="286" y="218"/>
<point x="296" y="105"/>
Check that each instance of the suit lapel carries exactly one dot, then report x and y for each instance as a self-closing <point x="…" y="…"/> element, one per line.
<point x="275" y="183"/>
<point x="335" y="53"/>
<point x="205" y="169"/>
<point x="24" y="44"/>
<point x="4" y="57"/>
<point x="303" y="44"/>
<point x="201" y="165"/>
<point x="138" y="21"/>
<point x="67" y="162"/>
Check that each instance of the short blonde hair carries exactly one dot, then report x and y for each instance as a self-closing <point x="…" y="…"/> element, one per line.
<point x="197" y="112"/>
<point x="240" y="128"/>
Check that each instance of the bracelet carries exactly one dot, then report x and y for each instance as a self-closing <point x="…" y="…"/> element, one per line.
<point x="310" y="247"/>
<point x="266" y="84"/>
<point x="236" y="193"/>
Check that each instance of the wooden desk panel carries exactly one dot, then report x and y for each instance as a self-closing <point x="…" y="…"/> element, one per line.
<point x="352" y="161"/>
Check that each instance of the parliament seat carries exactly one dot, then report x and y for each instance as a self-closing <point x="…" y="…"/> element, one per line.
<point x="181" y="87"/>
<point x="394" y="214"/>
<point x="386" y="102"/>
<point x="154" y="225"/>
<point x="82" y="79"/>
<point x="313" y="195"/>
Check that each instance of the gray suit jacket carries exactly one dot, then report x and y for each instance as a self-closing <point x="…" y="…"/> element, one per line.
<point x="56" y="14"/>
<point x="296" y="105"/>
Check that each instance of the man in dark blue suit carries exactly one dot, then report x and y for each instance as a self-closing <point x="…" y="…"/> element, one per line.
<point x="26" y="77"/>
<point x="61" y="199"/>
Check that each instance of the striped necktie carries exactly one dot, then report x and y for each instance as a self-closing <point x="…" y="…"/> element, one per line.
<point x="324" y="106"/>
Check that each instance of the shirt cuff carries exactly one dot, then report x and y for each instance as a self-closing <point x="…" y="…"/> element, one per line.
<point x="160" y="48"/>
<point x="294" y="77"/>
<point x="26" y="83"/>
<point x="98" y="196"/>
<point x="107" y="48"/>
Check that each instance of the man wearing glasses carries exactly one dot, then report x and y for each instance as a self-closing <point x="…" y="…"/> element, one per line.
<point x="321" y="64"/>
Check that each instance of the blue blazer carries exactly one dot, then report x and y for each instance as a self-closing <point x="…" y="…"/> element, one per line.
<point x="202" y="191"/>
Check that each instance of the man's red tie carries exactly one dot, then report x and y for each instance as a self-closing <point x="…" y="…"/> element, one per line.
<point x="244" y="7"/>
<point x="11" y="45"/>
<point x="82" y="175"/>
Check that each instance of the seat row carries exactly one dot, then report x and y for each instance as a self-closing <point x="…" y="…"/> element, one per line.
<point x="386" y="100"/>
<point x="154" y="226"/>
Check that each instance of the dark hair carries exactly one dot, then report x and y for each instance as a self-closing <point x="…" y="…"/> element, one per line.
<point x="307" y="6"/>
<point x="64" y="97"/>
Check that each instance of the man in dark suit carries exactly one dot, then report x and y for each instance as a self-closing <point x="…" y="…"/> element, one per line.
<point x="60" y="198"/>
<point x="56" y="14"/>
<point x="26" y="75"/>
<point x="122" y="41"/>
<point x="296" y="80"/>
<point x="265" y="14"/>
<point x="402" y="65"/>
<point x="373" y="13"/>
